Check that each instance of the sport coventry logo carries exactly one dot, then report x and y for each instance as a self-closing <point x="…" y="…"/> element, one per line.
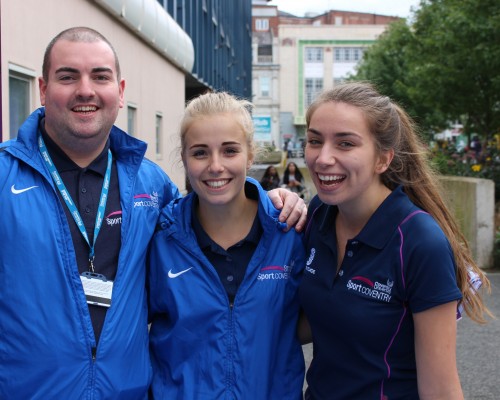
<point x="274" y="272"/>
<point x="146" y="200"/>
<point x="114" y="218"/>
<point x="366" y="287"/>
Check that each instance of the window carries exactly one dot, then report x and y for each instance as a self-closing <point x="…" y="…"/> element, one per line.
<point x="159" y="135"/>
<point x="314" y="54"/>
<point x="313" y="87"/>
<point x="265" y="53"/>
<point x="132" y="119"/>
<point x="19" y="102"/>
<point x="265" y="86"/>
<point x="20" y="89"/>
<point x="261" y="24"/>
<point x="348" y="54"/>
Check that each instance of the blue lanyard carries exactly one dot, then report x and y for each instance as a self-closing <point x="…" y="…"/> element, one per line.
<point x="71" y="205"/>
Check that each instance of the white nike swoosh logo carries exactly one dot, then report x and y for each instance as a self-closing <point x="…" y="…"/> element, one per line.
<point x="18" y="191"/>
<point x="175" y="275"/>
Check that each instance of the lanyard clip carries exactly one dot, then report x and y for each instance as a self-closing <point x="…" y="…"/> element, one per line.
<point x="91" y="263"/>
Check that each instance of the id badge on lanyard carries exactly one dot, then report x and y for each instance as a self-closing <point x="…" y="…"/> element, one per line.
<point x="97" y="288"/>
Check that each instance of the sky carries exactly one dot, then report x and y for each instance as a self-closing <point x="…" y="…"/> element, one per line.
<point x="396" y="8"/>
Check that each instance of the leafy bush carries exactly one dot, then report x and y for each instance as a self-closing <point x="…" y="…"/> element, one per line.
<point x="486" y="164"/>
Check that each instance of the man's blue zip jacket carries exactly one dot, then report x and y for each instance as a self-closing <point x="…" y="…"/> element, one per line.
<point x="47" y="342"/>
<point x="203" y="347"/>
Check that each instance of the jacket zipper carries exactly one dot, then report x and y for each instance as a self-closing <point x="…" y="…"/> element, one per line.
<point x="229" y="381"/>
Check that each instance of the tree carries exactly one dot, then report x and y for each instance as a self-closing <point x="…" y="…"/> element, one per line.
<point x="444" y="66"/>
<point x="457" y="61"/>
<point x="388" y="64"/>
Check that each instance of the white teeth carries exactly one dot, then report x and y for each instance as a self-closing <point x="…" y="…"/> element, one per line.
<point x="85" y="108"/>
<point x="217" y="184"/>
<point x="331" y="177"/>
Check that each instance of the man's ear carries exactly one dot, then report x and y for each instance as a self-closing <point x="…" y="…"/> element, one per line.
<point x="42" y="86"/>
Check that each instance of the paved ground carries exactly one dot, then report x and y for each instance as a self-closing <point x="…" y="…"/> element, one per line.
<point x="478" y="351"/>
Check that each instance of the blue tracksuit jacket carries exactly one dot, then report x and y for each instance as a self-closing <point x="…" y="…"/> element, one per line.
<point x="202" y="346"/>
<point x="47" y="344"/>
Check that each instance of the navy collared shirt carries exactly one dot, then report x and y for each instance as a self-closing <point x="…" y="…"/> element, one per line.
<point x="85" y="185"/>
<point x="361" y="317"/>
<point x="230" y="264"/>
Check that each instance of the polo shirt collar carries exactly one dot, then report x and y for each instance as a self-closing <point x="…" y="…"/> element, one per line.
<point x="204" y="241"/>
<point x="382" y="224"/>
<point x="64" y="164"/>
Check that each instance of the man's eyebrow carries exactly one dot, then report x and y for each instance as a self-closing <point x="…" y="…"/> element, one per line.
<point x="102" y="69"/>
<point x="67" y="69"/>
<point x="76" y="71"/>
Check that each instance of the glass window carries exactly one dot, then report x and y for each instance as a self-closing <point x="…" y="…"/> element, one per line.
<point x="313" y="87"/>
<point x="261" y="24"/>
<point x="348" y="54"/>
<point x="19" y="101"/>
<point x="265" y="86"/>
<point x="265" y="53"/>
<point x="314" y="54"/>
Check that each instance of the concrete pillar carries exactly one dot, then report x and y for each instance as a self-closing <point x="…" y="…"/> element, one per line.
<point x="473" y="203"/>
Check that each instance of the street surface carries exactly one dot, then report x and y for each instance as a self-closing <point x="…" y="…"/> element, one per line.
<point x="478" y="351"/>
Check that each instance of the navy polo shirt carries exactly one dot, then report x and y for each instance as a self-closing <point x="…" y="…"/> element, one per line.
<point x="230" y="264"/>
<point x="361" y="317"/>
<point x="84" y="186"/>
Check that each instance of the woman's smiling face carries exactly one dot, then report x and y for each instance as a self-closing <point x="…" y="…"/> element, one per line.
<point x="216" y="157"/>
<point x="342" y="156"/>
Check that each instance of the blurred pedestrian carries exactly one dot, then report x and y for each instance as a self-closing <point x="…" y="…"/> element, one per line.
<point x="271" y="179"/>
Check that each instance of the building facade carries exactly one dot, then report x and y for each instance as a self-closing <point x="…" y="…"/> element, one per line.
<point x="221" y="34"/>
<point x="295" y="58"/>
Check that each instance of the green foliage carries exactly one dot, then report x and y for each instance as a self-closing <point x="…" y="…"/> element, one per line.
<point x="447" y="160"/>
<point x="443" y="66"/>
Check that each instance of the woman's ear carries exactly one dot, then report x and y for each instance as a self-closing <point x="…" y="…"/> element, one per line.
<point x="384" y="161"/>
